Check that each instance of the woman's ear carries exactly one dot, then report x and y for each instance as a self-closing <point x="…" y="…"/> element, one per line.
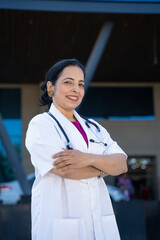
<point x="50" y="86"/>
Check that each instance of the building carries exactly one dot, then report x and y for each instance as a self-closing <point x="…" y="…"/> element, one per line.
<point x="119" y="44"/>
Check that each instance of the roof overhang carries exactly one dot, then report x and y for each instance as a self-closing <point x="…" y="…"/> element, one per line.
<point x="83" y="6"/>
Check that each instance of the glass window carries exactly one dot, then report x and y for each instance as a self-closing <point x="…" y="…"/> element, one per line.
<point x="141" y="171"/>
<point x="138" y="183"/>
<point x="119" y="103"/>
<point x="10" y="110"/>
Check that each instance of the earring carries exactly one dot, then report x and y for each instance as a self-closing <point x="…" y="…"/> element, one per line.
<point x="50" y="93"/>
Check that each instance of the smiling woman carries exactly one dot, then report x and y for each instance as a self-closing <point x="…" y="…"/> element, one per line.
<point x="54" y="73"/>
<point x="68" y="91"/>
<point x="69" y="195"/>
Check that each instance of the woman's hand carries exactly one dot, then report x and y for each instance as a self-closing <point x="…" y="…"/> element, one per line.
<point x="113" y="164"/>
<point x="69" y="159"/>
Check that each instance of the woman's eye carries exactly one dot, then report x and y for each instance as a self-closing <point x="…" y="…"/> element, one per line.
<point x="68" y="82"/>
<point x="81" y="85"/>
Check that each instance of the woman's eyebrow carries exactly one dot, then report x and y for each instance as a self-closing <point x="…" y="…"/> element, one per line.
<point x="68" y="78"/>
<point x="72" y="79"/>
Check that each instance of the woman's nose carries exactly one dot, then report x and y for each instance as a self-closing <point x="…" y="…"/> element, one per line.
<point x="75" y="88"/>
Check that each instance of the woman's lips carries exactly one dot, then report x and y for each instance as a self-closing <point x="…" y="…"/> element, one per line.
<point x="72" y="98"/>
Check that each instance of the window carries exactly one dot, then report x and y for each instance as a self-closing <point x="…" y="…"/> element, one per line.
<point x="118" y="103"/>
<point x="141" y="171"/>
<point x="10" y="109"/>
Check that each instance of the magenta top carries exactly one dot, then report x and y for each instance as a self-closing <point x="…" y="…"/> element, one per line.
<point x="81" y="130"/>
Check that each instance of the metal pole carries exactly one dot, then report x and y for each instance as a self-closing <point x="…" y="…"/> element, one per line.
<point x="13" y="159"/>
<point x="97" y="52"/>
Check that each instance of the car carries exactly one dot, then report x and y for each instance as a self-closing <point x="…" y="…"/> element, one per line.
<point x="11" y="192"/>
<point x="115" y="193"/>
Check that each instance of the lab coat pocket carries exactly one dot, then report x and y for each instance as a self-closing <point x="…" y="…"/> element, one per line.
<point x="67" y="229"/>
<point x="110" y="228"/>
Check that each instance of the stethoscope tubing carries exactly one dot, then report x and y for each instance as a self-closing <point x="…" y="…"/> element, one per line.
<point x="59" y="125"/>
<point x="69" y="145"/>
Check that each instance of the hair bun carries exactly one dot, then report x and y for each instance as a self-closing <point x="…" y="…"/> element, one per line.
<point x="43" y="86"/>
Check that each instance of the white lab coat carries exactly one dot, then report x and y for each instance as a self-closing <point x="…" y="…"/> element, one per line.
<point x="65" y="209"/>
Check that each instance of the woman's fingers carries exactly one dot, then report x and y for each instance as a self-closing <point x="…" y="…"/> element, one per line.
<point x="63" y="167"/>
<point x="68" y="159"/>
<point x="61" y="156"/>
<point x="63" y="153"/>
<point x="61" y="160"/>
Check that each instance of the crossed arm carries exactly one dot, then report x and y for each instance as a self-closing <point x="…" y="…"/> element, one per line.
<point x="78" y="165"/>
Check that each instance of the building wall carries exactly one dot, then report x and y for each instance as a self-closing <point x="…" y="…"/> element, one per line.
<point x="30" y="94"/>
<point x="30" y="108"/>
<point x="140" y="138"/>
<point x="137" y="138"/>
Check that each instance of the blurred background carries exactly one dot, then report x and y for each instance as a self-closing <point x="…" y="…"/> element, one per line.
<point x="119" y="43"/>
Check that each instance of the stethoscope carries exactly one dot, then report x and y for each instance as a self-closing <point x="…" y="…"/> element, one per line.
<point x="87" y="122"/>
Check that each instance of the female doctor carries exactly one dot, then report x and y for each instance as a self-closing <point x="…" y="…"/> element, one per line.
<point x="71" y="155"/>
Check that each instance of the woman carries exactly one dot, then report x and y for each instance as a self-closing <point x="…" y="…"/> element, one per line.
<point x="70" y="200"/>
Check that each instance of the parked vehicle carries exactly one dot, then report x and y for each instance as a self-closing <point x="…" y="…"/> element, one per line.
<point x="11" y="192"/>
<point x="115" y="193"/>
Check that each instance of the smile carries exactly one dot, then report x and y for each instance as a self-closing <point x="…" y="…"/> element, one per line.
<point x="72" y="98"/>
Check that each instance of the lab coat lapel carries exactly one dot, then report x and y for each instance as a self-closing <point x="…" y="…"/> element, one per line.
<point x="91" y="134"/>
<point x="58" y="115"/>
<point x="72" y="132"/>
<point x="85" y="128"/>
<point x="76" y="137"/>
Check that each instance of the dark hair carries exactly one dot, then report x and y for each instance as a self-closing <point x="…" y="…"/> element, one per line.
<point x="53" y="74"/>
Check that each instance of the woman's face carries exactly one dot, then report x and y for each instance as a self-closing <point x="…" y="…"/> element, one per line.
<point x="69" y="89"/>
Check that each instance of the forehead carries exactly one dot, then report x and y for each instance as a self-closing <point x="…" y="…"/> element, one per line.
<point x="73" y="72"/>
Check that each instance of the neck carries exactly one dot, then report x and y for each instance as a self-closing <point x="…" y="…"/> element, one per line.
<point x="69" y="114"/>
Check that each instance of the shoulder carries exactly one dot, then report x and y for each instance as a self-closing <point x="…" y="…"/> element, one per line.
<point x="39" y="121"/>
<point x="41" y="126"/>
<point x="34" y="122"/>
